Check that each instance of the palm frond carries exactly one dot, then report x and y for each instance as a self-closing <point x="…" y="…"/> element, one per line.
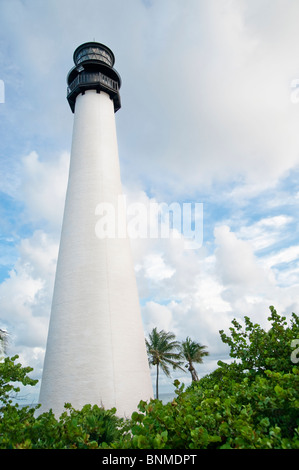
<point x="193" y="351"/>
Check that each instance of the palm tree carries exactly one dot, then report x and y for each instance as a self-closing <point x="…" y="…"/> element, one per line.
<point x="193" y="352"/>
<point x="162" y="350"/>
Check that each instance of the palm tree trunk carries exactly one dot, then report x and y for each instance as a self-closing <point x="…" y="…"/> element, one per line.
<point x="157" y="381"/>
<point x="193" y="372"/>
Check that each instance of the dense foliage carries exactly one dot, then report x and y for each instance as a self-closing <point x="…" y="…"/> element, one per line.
<point x="250" y="403"/>
<point x="262" y="414"/>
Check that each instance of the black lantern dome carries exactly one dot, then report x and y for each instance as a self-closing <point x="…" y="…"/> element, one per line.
<point x="93" y="71"/>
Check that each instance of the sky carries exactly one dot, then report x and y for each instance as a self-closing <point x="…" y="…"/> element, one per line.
<point x="210" y="115"/>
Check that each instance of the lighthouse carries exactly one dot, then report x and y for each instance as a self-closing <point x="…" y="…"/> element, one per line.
<point x="95" y="351"/>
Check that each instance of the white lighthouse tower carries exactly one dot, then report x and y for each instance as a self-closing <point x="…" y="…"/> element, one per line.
<point x="96" y="349"/>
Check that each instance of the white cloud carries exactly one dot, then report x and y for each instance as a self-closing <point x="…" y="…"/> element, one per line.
<point x="222" y="108"/>
<point x="43" y="188"/>
<point x="283" y="256"/>
<point x="158" y="316"/>
<point x="205" y="292"/>
<point x="237" y="264"/>
<point x="26" y="293"/>
<point x="265" y="232"/>
<point x="155" y="268"/>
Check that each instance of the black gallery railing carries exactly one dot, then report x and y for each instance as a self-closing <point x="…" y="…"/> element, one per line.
<point x="93" y="77"/>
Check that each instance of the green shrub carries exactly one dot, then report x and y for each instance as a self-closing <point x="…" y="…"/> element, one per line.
<point x="250" y="403"/>
<point x="91" y="427"/>
<point x="88" y="428"/>
<point x="256" y="414"/>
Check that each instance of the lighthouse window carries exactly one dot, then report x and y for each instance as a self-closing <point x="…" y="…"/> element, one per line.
<point x="94" y="53"/>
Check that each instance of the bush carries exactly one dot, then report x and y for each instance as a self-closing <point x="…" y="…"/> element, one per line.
<point x="257" y="350"/>
<point x="88" y="428"/>
<point x="260" y="413"/>
<point x="251" y="403"/>
<point x="91" y="427"/>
